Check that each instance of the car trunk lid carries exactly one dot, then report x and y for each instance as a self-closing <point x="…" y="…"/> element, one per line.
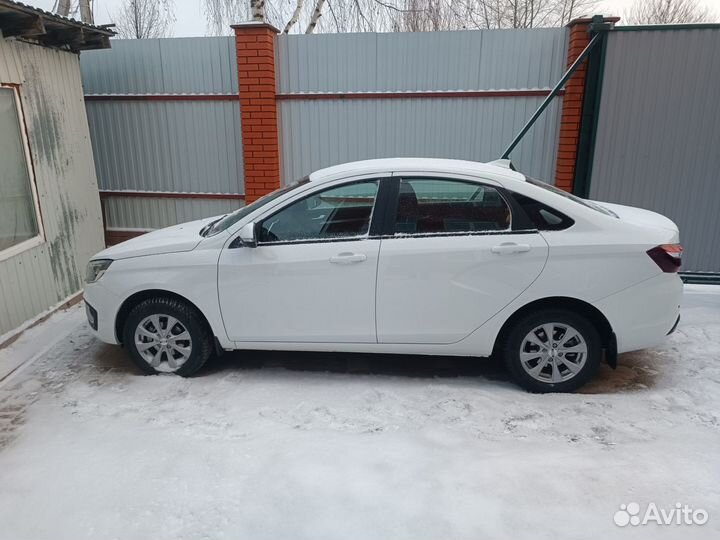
<point x="643" y="218"/>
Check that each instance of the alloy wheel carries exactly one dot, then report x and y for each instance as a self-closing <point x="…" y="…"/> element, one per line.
<point x="163" y="342"/>
<point x="553" y="352"/>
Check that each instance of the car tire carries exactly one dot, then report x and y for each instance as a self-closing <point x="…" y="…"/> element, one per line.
<point x="528" y="351"/>
<point x="164" y="335"/>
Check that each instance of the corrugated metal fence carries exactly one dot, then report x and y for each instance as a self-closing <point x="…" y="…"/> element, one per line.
<point x="149" y="135"/>
<point x="658" y="135"/>
<point x="463" y="118"/>
<point x="164" y="120"/>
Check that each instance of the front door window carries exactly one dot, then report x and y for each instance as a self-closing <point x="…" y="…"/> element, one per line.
<point x="342" y="212"/>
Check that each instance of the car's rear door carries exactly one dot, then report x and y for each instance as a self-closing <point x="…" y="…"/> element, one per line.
<point x="311" y="277"/>
<point x="453" y="255"/>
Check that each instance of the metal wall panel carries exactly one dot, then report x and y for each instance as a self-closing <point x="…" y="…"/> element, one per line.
<point x="150" y="213"/>
<point x="658" y="133"/>
<point x="40" y="277"/>
<point x="168" y="146"/>
<point x="422" y="61"/>
<point x="319" y="133"/>
<point x="196" y="146"/>
<point x="10" y="64"/>
<point x="204" y="65"/>
<point x="186" y="146"/>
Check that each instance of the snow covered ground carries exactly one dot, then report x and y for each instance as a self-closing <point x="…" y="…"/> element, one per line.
<point x="316" y="446"/>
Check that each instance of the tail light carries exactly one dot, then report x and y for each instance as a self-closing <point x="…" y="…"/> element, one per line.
<point x="667" y="256"/>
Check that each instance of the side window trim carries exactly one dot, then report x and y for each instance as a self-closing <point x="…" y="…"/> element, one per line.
<point x="520" y="223"/>
<point x="379" y="179"/>
<point x="568" y="221"/>
<point x="383" y="223"/>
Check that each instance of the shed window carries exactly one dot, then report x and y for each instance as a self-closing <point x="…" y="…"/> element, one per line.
<point x="18" y="210"/>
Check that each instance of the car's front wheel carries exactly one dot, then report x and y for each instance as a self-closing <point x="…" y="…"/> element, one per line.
<point x="552" y="350"/>
<point x="164" y="335"/>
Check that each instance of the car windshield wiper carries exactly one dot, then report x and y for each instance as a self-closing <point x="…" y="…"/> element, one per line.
<point x="206" y="228"/>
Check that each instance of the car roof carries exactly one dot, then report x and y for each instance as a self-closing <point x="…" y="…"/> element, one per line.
<point x="498" y="168"/>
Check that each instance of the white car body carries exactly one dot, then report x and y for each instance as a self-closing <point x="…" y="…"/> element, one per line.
<point x="436" y="294"/>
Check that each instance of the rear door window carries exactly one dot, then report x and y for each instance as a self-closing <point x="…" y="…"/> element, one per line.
<point x="444" y="206"/>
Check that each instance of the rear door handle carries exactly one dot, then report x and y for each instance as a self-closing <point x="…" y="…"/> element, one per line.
<point x="348" y="258"/>
<point x="510" y="247"/>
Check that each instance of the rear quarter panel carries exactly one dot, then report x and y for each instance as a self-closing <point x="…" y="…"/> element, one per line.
<point x="597" y="257"/>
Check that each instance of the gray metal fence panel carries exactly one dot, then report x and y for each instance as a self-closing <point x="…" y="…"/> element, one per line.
<point x="152" y="213"/>
<point x="159" y="145"/>
<point x="203" y="65"/>
<point x="196" y="146"/>
<point x="174" y="146"/>
<point x="319" y="133"/>
<point x="659" y="133"/>
<point x="422" y="61"/>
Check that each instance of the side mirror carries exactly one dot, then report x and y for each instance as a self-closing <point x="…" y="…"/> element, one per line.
<point x="247" y="235"/>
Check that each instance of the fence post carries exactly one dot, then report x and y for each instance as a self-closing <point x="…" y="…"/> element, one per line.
<point x="255" y="50"/>
<point x="572" y="106"/>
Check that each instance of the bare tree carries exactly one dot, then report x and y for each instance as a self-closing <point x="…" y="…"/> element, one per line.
<point x="257" y="10"/>
<point x="62" y="7"/>
<point x="86" y="12"/>
<point x="294" y="17"/>
<point x="396" y="15"/>
<point x="83" y="8"/>
<point x="315" y="16"/>
<point x="220" y="14"/>
<point x="425" y="15"/>
<point x="144" y="19"/>
<point x="668" y="12"/>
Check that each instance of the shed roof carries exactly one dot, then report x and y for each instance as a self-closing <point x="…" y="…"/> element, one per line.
<point x="51" y="30"/>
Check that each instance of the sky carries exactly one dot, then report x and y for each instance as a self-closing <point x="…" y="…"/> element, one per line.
<point x="190" y="17"/>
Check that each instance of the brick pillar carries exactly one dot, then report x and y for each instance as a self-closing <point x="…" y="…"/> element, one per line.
<point x="572" y="106"/>
<point x="255" y="49"/>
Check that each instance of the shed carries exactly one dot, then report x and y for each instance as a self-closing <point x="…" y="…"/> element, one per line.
<point x="50" y="214"/>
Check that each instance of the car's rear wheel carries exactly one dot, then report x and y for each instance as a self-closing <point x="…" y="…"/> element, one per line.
<point x="552" y="350"/>
<point x="165" y="335"/>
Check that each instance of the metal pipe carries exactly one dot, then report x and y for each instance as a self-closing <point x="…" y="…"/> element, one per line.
<point x="579" y="60"/>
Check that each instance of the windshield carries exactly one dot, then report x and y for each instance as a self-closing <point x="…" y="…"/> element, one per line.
<point x="570" y="196"/>
<point x="230" y="219"/>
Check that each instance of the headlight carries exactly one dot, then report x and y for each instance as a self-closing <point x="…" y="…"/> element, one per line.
<point x="96" y="269"/>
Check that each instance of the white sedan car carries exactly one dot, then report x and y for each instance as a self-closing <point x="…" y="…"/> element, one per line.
<point x="411" y="256"/>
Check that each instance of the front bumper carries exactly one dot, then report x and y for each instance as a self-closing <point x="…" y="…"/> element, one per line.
<point x="92" y="315"/>
<point x="102" y="306"/>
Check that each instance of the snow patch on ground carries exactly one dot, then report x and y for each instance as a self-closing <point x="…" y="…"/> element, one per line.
<point x="319" y="446"/>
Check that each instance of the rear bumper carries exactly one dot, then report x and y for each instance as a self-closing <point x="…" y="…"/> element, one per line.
<point x="643" y="315"/>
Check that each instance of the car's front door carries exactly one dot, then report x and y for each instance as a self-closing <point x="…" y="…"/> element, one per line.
<point x="452" y="260"/>
<point x="311" y="277"/>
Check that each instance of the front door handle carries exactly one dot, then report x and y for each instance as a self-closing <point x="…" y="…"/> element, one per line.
<point x="348" y="258"/>
<point x="510" y="247"/>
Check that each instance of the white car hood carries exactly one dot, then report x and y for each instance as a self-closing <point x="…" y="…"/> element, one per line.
<point x="183" y="237"/>
<point x="640" y="216"/>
